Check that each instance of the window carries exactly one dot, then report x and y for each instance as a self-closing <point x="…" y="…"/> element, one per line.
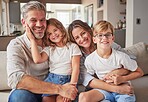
<point x="63" y="17"/>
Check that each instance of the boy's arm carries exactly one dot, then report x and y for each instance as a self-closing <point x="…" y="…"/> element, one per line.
<point x="75" y="69"/>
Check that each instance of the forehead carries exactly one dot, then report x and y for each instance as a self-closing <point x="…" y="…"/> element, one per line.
<point x="77" y="30"/>
<point x="103" y="31"/>
<point x="36" y="14"/>
<point x="51" y="27"/>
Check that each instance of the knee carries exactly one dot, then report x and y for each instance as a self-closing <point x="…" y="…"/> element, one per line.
<point x="83" y="97"/>
<point x="21" y="96"/>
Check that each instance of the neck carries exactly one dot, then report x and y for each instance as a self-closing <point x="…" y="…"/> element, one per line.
<point x="89" y="49"/>
<point x="40" y="42"/>
<point x="105" y="53"/>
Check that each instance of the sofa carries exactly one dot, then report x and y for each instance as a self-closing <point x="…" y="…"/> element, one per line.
<point x="140" y="50"/>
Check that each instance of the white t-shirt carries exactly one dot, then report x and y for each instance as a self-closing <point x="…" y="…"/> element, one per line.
<point x="60" y="58"/>
<point x="101" y="66"/>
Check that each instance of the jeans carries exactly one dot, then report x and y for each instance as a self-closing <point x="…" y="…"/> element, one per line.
<point x="19" y="95"/>
<point x="57" y="79"/>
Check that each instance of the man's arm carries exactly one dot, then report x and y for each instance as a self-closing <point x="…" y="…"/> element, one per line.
<point x="34" y="85"/>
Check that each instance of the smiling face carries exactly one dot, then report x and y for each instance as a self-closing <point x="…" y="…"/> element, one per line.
<point x="55" y="35"/>
<point x="82" y="37"/>
<point x="36" y="20"/>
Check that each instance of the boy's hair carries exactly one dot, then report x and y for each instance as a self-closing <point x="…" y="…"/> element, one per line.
<point x="102" y="26"/>
<point x="59" y="25"/>
<point x="80" y="24"/>
<point x="32" y="5"/>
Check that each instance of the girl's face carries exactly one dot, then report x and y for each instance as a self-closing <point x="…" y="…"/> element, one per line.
<point x="55" y="35"/>
<point x="82" y="37"/>
<point x="103" y="39"/>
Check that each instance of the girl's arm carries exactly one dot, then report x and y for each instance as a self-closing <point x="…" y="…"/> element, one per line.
<point x="75" y="69"/>
<point x="36" y="55"/>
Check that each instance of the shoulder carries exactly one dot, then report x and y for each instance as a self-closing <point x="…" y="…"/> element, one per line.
<point x="120" y="54"/>
<point x="92" y="55"/>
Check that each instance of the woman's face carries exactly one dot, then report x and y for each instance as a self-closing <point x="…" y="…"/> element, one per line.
<point x="82" y="37"/>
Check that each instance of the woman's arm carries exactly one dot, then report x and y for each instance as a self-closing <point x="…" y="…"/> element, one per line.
<point x="97" y="83"/>
<point x="122" y="89"/>
<point x="75" y="69"/>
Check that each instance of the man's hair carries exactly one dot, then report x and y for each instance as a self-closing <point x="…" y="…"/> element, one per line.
<point x="32" y="5"/>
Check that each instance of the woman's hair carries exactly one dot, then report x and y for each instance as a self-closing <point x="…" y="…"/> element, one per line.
<point x="102" y="26"/>
<point x="58" y="25"/>
<point x="32" y="5"/>
<point x="80" y="24"/>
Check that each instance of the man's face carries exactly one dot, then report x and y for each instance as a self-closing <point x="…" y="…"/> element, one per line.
<point x="37" y="22"/>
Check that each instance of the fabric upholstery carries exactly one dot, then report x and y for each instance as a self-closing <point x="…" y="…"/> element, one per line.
<point x="141" y="52"/>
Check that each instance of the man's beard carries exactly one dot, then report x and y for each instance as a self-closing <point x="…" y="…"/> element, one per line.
<point x="39" y="35"/>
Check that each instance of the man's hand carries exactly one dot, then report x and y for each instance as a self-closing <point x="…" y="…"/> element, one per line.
<point x="68" y="91"/>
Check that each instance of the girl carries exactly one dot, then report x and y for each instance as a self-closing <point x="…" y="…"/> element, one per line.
<point x="63" y="56"/>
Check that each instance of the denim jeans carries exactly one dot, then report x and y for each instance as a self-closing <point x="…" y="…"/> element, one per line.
<point x="18" y="95"/>
<point x="57" y="79"/>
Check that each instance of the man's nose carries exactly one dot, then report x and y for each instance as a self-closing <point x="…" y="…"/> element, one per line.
<point x="38" y="23"/>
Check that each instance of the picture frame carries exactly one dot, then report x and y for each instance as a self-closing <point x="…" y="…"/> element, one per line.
<point x="122" y="1"/>
<point x="100" y="3"/>
<point x="88" y="14"/>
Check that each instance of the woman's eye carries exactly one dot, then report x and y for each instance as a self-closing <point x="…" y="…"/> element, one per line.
<point x="76" y="38"/>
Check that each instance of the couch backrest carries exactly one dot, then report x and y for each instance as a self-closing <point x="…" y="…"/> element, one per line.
<point x="4" y="40"/>
<point x="3" y="72"/>
<point x="140" y="50"/>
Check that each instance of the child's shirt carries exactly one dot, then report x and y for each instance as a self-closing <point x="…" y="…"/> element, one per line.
<point x="60" y="58"/>
<point x="101" y="66"/>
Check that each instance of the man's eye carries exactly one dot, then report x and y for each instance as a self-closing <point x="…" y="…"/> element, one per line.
<point x="33" y="20"/>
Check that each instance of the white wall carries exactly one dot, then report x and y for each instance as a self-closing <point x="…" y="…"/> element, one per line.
<point x="137" y="32"/>
<point x="111" y="10"/>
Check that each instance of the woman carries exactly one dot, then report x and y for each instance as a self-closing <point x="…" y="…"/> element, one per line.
<point x="81" y="34"/>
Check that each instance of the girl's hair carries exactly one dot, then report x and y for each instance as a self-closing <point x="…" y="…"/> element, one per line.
<point x="32" y="5"/>
<point x="80" y="24"/>
<point x="58" y="25"/>
<point x="102" y="26"/>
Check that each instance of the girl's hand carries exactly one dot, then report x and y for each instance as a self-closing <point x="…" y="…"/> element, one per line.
<point x="66" y="99"/>
<point x="29" y="33"/>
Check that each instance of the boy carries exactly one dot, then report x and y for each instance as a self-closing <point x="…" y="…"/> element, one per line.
<point x="105" y="59"/>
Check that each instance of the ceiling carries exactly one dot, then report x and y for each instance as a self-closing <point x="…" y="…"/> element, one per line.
<point x="51" y="1"/>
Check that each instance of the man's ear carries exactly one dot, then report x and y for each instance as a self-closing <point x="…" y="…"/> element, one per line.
<point x="23" y="23"/>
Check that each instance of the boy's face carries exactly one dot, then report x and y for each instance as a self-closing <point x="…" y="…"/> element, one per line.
<point x="104" y="38"/>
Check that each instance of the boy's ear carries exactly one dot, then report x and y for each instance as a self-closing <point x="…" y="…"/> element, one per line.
<point x="94" y="40"/>
<point x="113" y="38"/>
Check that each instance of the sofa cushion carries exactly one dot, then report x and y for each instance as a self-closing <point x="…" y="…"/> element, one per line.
<point x="140" y="50"/>
<point x="3" y="72"/>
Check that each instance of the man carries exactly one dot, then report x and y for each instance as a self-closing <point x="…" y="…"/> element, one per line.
<point x="24" y="76"/>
